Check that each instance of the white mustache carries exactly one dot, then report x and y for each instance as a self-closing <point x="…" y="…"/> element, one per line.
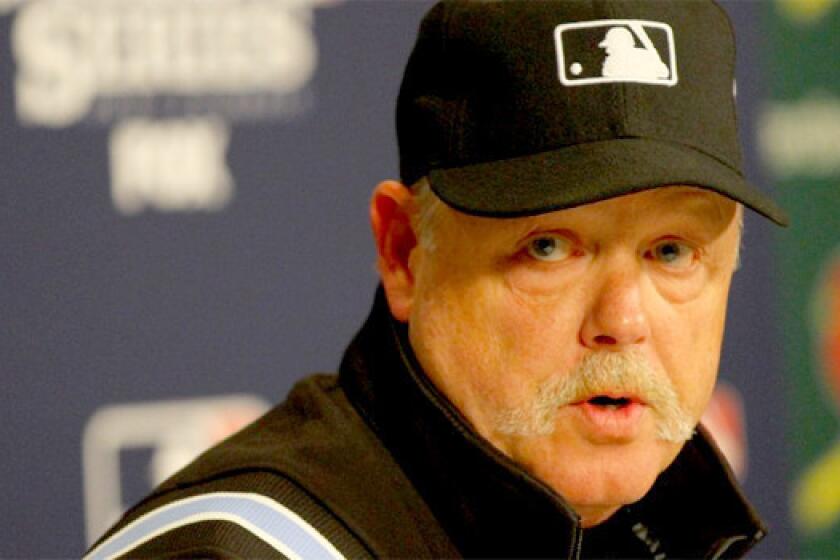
<point x="622" y="373"/>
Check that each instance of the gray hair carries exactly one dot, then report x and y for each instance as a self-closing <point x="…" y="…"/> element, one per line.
<point x="426" y="213"/>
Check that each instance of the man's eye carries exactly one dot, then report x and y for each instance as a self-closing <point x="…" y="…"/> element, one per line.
<point x="549" y="248"/>
<point x="674" y="254"/>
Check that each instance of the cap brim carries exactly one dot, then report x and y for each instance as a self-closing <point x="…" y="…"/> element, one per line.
<point x="590" y="172"/>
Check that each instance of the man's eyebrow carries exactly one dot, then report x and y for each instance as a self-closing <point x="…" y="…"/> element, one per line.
<point x="518" y="228"/>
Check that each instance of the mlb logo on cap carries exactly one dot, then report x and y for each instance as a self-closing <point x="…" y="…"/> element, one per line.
<point x="616" y="50"/>
<point x="520" y="107"/>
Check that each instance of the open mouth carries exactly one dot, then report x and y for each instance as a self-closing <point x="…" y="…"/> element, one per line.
<point x="611" y="403"/>
<point x="610" y="417"/>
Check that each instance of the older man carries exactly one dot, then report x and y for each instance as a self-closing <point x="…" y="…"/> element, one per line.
<point x="555" y="268"/>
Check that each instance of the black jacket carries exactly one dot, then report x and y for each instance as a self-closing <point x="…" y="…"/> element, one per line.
<point x="380" y="464"/>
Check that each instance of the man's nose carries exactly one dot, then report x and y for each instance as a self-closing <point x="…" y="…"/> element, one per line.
<point x="616" y="318"/>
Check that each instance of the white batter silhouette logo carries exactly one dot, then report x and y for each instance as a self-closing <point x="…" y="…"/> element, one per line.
<point x="609" y="51"/>
<point x="626" y="60"/>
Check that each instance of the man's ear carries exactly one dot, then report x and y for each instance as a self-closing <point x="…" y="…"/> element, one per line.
<point x="390" y="217"/>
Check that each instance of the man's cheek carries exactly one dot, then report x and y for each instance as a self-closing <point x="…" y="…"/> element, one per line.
<point x="691" y="361"/>
<point x="563" y="312"/>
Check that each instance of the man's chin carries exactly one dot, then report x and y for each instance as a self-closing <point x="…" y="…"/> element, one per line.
<point x="597" y="479"/>
<point x="604" y="492"/>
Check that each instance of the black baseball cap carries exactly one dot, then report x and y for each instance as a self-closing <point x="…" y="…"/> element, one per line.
<point x="520" y="107"/>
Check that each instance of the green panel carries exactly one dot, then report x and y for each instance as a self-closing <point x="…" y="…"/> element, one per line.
<point x="800" y="137"/>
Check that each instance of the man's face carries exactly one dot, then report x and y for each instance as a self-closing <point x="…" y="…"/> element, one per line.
<point x="625" y="299"/>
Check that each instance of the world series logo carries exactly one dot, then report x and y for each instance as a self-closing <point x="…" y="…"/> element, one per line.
<point x="168" y="78"/>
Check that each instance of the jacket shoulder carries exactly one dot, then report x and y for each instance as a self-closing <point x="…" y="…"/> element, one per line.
<point x="248" y="515"/>
<point x="310" y="473"/>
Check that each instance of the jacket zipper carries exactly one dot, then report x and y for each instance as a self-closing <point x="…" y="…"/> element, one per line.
<point x="577" y="543"/>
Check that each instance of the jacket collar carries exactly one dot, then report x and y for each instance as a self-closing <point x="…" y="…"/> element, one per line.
<point x="491" y="507"/>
